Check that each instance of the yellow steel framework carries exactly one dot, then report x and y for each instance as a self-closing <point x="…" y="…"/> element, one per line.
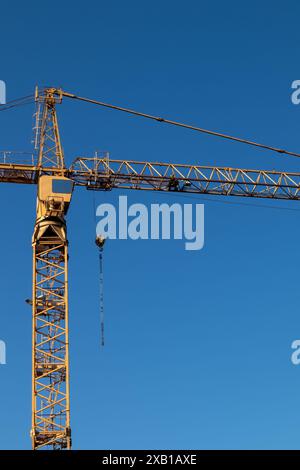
<point x="50" y="335"/>
<point x="55" y="182"/>
<point x="104" y="173"/>
<point x="50" y="354"/>
<point x="47" y="131"/>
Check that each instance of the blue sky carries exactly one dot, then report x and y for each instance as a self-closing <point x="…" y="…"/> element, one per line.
<point x="198" y="344"/>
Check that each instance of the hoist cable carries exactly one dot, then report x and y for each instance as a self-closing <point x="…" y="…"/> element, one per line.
<point x="101" y="280"/>
<point x="101" y="296"/>
<point x="180" y="124"/>
<point x="17" y="102"/>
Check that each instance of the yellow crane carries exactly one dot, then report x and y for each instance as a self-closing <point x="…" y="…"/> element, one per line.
<point x="55" y="184"/>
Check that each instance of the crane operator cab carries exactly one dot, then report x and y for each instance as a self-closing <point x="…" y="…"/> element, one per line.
<point x="54" y="196"/>
<point x="53" y="200"/>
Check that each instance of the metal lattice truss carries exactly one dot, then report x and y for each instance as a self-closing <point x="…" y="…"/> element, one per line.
<point x="47" y="138"/>
<point x="18" y="167"/>
<point x="50" y="427"/>
<point x="23" y="174"/>
<point x="104" y="173"/>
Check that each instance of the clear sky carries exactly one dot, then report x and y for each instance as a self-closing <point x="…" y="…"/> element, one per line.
<point x="198" y="344"/>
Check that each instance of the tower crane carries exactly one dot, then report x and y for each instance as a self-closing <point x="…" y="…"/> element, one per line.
<point x="55" y="184"/>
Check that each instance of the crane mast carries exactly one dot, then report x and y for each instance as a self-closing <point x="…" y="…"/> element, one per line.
<point x="50" y="334"/>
